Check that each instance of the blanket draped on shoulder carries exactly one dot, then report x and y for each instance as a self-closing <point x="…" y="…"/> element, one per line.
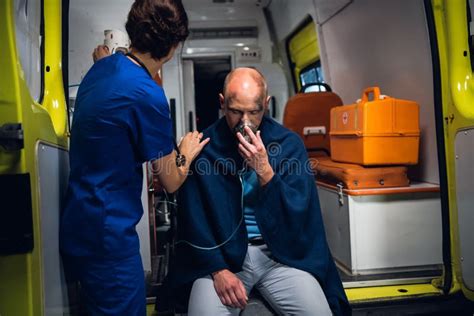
<point x="211" y="230"/>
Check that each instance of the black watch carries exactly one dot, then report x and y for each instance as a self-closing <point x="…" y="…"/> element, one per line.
<point x="180" y="160"/>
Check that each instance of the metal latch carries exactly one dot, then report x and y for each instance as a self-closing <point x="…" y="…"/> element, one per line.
<point x="11" y="136"/>
<point x="339" y="194"/>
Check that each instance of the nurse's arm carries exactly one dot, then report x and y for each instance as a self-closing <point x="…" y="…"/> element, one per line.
<point x="171" y="176"/>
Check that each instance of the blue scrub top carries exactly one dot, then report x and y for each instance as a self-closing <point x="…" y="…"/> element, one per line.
<point x="121" y="120"/>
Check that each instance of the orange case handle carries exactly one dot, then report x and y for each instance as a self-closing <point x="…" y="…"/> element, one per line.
<point x="367" y="91"/>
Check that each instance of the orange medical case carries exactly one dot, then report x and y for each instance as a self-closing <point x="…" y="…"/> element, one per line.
<point x="353" y="176"/>
<point x="384" y="131"/>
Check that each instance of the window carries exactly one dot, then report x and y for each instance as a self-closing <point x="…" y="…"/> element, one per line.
<point x="311" y="74"/>
<point x="29" y="40"/>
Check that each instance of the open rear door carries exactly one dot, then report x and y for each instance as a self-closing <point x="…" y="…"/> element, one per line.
<point x="33" y="157"/>
<point x="456" y="53"/>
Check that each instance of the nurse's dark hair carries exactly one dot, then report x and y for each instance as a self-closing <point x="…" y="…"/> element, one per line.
<point x="156" y="26"/>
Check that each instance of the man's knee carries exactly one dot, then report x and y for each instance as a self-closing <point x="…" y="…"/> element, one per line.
<point x="314" y="305"/>
<point x="295" y="292"/>
<point x="311" y="298"/>
<point x="204" y="300"/>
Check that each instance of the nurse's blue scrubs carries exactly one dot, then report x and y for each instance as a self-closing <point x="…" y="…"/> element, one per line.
<point x="121" y="120"/>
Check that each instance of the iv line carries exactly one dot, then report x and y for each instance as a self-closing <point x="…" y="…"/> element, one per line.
<point x="231" y="235"/>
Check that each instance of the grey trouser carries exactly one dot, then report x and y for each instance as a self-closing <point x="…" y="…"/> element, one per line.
<point x="288" y="290"/>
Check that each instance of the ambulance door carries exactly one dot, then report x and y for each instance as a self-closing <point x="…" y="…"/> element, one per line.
<point x="33" y="157"/>
<point x="456" y="52"/>
<point x="303" y="51"/>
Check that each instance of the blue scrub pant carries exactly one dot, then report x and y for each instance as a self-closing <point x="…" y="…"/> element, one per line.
<point x="110" y="286"/>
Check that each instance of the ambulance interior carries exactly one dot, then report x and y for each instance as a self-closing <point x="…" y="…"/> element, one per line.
<point x="378" y="236"/>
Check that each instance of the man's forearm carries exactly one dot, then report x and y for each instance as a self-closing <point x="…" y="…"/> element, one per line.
<point x="265" y="175"/>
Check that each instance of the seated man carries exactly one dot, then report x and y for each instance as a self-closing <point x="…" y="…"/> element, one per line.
<point x="249" y="217"/>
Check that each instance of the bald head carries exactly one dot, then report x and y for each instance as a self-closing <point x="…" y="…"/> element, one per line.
<point x="244" y="99"/>
<point x="245" y="80"/>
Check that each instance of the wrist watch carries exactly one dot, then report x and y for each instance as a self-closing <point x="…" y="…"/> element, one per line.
<point x="180" y="160"/>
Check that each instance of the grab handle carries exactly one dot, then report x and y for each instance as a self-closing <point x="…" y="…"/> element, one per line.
<point x="375" y="91"/>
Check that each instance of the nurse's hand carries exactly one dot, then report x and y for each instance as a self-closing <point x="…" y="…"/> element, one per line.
<point x="100" y="52"/>
<point x="191" y="145"/>
<point x="171" y="176"/>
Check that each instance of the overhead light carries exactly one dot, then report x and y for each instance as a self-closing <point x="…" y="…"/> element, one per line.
<point x="246" y="48"/>
<point x="240" y="44"/>
<point x="189" y="50"/>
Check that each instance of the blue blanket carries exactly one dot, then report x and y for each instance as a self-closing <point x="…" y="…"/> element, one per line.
<point x="212" y="234"/>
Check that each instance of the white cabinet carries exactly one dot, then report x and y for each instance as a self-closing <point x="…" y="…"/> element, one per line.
<point x="383" y="230"/>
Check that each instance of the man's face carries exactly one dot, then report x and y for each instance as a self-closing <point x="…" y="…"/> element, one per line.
<point x="243" y="103"/>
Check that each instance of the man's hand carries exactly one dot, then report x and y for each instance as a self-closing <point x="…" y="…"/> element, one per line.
<point x="100" y="52"/>
<point x="230" y="289"/>
<point x="256" y="155"/>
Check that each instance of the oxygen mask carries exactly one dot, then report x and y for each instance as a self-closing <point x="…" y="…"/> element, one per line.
<point x="241" y="128"/>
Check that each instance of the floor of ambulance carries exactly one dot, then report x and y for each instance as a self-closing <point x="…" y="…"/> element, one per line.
<point x="389" y="278"/>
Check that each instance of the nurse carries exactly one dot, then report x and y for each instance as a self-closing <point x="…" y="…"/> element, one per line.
<point x="121" y="120"/>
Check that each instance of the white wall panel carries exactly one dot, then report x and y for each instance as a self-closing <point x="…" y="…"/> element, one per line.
<point x="53" y="169"/>
<point x="327" y="9"/>
<point x="384" y="43"/>
<point x="87" y="21"/>
<point x="465" y="199"/>
<point x="288" y="15"/>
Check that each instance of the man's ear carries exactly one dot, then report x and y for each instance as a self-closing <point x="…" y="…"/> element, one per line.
<point x="267" y="102"/>
<point x="221" y="100"/>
